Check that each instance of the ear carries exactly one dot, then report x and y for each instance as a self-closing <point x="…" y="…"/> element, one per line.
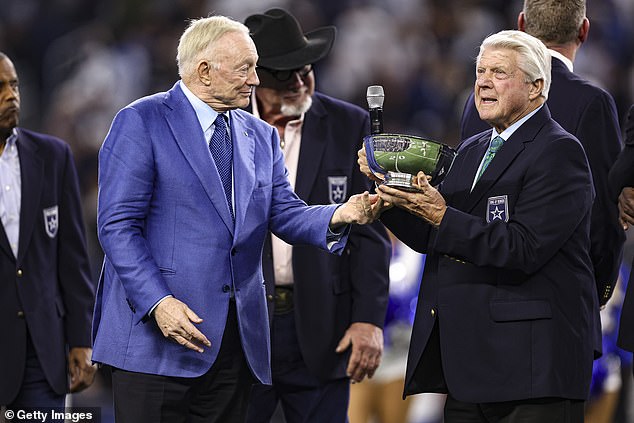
<point x="536" y="89"/>
<point x="203" y="70"/>
<point x="584" y="29"/>
<point x="521" y="22"/>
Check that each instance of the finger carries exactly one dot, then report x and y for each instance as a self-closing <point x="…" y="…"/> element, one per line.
<point x="344" y="343"/>
<point x="186" y="343"/>
<point x="192" y="334"/>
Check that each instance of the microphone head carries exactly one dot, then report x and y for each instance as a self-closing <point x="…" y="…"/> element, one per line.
<point x="375" y="96"/>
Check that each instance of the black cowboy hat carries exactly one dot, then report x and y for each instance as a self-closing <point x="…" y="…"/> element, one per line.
<point x="281" y="44"/>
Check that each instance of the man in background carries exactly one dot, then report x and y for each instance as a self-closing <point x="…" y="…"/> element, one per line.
<point x="327" y="312"/>
<point x="584" y="110"/>
<point x="46" y="294"/>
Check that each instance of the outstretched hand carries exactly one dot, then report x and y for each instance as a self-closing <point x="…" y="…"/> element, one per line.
<point x="360" y="209"/>
<point x="175" y="320"/>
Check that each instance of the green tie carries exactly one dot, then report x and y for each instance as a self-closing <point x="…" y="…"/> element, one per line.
<point x="495" y="145"/>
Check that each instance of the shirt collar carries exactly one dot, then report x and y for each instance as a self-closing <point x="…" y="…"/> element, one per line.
<point x="506" y="134"/>
<point x="561" y="57"/>
<point x="13" y="138"/>
<point x="205" y="114"/>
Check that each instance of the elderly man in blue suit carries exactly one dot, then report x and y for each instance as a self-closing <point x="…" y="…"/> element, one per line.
<point x="189" y="186"/>
<point x="507" y="312"/>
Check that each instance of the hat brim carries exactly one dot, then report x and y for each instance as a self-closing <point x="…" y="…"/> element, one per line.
<point x="319" y="43"/>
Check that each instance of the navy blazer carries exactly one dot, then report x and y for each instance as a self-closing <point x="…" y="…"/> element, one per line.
<point x="331" y="292"/>
<point x="507" y="308"/>
<point x="621" y="176"/>
<point x="589" y="113"/>
<point x="46" y="290"/>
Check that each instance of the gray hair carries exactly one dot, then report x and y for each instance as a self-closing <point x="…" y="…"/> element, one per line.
<point x="554" y="21"/>
<point x="198" y="39"/>
<point x="533" y="56"/>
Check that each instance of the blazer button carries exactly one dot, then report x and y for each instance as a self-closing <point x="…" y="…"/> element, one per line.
<point x="433" y="312"/>
<point x="19" y="273"/>
<point x="21" y="314"/>
<point x="226" y="288"/>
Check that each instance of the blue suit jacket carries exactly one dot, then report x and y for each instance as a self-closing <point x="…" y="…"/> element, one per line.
<point x="588" y="113"/>
<point x="331" y="292"/>
<point x="507" y="308"/>
<point x="166" y="229"/>
<point x="47" y="288"/>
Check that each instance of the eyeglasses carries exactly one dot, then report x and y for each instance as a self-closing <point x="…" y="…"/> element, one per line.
<point x="285" y="75"/>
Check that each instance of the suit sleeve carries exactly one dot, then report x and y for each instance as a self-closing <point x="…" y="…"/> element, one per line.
<point x="126" y="175"/>
<point x="557" y="194"/>
<point x="73" y="267"/>
<point x="622" y="172"/>
<point x="599" y="132"/>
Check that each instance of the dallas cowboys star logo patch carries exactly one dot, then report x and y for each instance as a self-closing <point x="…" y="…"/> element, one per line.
<point x="497" y="208"/>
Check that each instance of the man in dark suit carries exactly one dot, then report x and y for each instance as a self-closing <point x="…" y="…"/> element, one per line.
<point x="584" y="110"/>
<point x="327" y="312"/>
<point x="189" y="186"/>
<point x="622" y="186"/>
<point x="46" y="294"/>
<point x="507" y="311"/>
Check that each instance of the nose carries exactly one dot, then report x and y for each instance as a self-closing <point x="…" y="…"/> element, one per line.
<point x="253" y="79"/>
<point x="296" y="80"/>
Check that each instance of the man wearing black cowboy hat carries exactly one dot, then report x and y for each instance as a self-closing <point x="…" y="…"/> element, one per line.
<point x="327" y="313"/>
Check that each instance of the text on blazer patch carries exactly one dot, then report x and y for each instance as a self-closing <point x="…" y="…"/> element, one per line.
<point x="498" y="208"/>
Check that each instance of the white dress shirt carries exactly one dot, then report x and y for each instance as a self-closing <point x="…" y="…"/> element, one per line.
<point x="11" y="191"/>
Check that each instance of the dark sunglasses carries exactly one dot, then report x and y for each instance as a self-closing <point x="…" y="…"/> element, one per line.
<point x="285" y="75"/>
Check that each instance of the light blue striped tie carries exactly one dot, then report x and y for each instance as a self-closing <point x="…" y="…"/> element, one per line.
<point x="495" y="145"/>
<point x="222" y="152"/>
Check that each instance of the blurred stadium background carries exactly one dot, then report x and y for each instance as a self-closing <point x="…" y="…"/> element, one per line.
<point x="80" y="61"/>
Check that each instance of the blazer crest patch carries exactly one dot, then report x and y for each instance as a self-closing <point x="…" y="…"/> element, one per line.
<point x="497" y="208"/>
<point x="337" y="189"/>
<point x="51" y="221"/>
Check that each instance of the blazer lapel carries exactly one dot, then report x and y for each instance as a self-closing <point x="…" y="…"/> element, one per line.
<point x="185" y="127"/>
<point x="4" y="243"/>
<point x="466" y="166"/>
<point x="31" y="175"/>
<point x="243" y="164"/>
<point x="507" y="154"/>
<point x="314" y="140"/>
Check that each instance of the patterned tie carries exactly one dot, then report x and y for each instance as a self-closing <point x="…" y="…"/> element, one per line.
<point x="222" y="152"/>
<point x="495" y="145"/>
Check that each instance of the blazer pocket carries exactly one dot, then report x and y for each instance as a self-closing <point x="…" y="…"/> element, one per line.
<point x="510" y="311"/>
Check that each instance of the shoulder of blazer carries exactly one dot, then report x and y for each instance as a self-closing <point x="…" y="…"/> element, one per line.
<point x="44" y="144"/>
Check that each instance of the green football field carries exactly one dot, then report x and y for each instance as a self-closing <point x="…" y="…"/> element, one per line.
<point x="420" y="155"/>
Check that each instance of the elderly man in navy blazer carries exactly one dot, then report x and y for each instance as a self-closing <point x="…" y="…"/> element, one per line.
<point x="586" y="111"/>
<point x="189" y="187"/>
<point x="507" y="312"/>
<point x="46" y="293"/>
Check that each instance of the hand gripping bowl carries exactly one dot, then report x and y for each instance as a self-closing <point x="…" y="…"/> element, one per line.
<point x="400" y="157"/>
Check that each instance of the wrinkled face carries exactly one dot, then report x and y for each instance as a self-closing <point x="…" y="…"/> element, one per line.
<point x="9" y="98"/>
<point x="229" y="75"/>
<point x="502" y="95"/>
<point x="290" y="96"/>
